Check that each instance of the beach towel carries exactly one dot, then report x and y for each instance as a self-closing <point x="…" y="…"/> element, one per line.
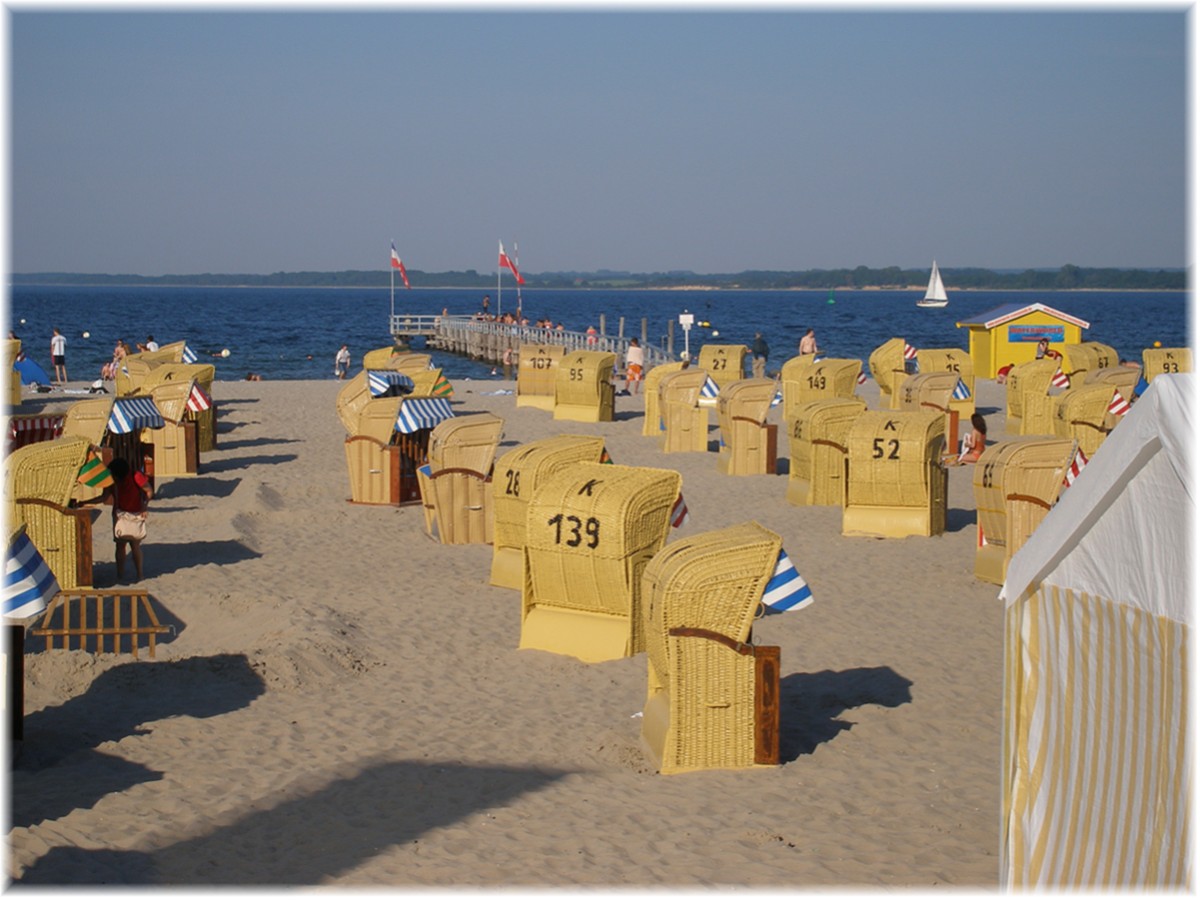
<point x="785" y="590"/>
<point x="131" y="413"/>
<point x="93" y="473"/>
<point x="29" y="585"/>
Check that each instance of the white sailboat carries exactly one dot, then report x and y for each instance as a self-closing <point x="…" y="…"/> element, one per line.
<point x="935" y="294"/>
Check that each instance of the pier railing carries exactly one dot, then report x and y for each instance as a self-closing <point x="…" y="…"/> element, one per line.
<point x="484" y="340"/>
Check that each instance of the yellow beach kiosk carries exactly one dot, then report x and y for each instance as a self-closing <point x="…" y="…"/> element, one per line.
<point x="1010" y="334"/>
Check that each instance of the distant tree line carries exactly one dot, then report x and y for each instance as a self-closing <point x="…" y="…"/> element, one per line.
<point x="1068" y="277"/>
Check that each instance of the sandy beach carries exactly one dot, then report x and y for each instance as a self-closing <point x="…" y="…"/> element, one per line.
<point x="343" y="703"/>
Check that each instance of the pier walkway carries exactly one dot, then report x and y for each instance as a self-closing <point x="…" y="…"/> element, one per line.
<point x="487" y="341"/>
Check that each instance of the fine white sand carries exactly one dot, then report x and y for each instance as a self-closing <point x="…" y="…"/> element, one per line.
<point x="344" y="703"/>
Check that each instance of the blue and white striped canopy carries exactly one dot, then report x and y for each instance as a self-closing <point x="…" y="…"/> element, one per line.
<point x="131" y="413"/>
<point x="424" y="412"/>
<point x="28" y="582"/>
<point x="382" y="381"/>
<point x="786" y="589"/>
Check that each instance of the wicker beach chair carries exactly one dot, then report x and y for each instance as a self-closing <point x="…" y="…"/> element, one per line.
<point x="888" y="367"/>
<point x="933" y="391"/>
<point x="203" y="374"/>
<point x="1086" y="356"/>
<point x="1123" y="378"/>
<point x="804" y="379"/>
<point x="1166" y="361"/>
<point x="537" y="371"/>
<point x="1081" y="414"/>
<point x="685" y="421"/>
<point x="88" y="419"/>
<point x="456" y="486"/>
<point x="39" y="482"/>
<point x="1016" y="482"/>
<point x="409" y="362"/>
<point x="379" y="357"/>
<point x="725" y="363"/>
<point x="817" y="433"/>
<point x="1028" y="384"/>
<point x="387" y="442"/>
<point x="896" y="485"/>
<point x="519" y="472"/>
<point x="583" y="388"/>
<point x="711" y="696"/>
<point x="175" y="447"/>
<point x="591" y="530"/>
<point x="748" y="445"/>
<point x="11" y="388"/>
<point x="954" y="361"/>
<point x="351" y="398"/>
<point x="652" y="423"/>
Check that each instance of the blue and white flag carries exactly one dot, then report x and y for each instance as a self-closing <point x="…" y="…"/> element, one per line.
<point x="710" y="390"/>
<point x="778" y="398"/>
<point x="382" y="381"/>
<point x="786" y="590"/>
<point x="189" y="356"/>
<point x="29" y="585"/>
<point x="961" y="391"/>
<point x="131" y="413"/>
<point x="424" y="412"/>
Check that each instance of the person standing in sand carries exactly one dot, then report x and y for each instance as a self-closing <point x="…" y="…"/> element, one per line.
<point x="758" y="356"/>
<point x="131" y="494"/>
<point x="635" y="361"/>
<point x="341" y="362"/>
<point x="58" y="356"/>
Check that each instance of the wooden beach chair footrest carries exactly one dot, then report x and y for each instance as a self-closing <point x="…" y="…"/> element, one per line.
<point x="100" y="619"/>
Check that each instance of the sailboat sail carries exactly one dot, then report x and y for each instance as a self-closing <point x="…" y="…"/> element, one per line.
<point x="935" y="294"/>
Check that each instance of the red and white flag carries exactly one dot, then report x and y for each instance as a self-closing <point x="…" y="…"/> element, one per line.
<point x="1075" y="468"/>
<point x="1060" y="379"/>
<point x="507" y="263"/>
<point x="1118" y="406"/>
<point x="910" y="352"/>
<point x="679" y="512"/>
<point x="398" y="264"/>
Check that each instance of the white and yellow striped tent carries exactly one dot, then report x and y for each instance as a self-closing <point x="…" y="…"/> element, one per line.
<point x="1097" y="753"/>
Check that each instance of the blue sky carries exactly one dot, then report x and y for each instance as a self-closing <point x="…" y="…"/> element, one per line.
<point x="187" y="141"/>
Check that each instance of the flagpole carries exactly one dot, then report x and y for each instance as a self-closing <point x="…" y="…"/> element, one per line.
<point x="498" y="268"/>
<point x="392" y="270"/>
<point x="517" y="263"/>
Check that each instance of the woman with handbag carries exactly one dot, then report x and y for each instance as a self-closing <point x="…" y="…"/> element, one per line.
<point x="131" y="493"/>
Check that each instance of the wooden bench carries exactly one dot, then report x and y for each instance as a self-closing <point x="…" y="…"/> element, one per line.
<point x="100" y="619"/>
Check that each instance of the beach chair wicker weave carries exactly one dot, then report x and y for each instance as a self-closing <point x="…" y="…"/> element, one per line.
<point x="953" y="361"/>
<point x="351" y="398"/>
<point x="685" y="421"/>
<point x="1123" y="378"/>
<point x="537" y="370"/>
<point x="1015" y="483"/>
<point x="518" y="474"/>
<point x="652" y="424"/>
<point x="895" y="485"/>
<point x="708" y="689"/>
<point x="748" y="445"/>
<point x="38" y="486"/>
<point x="817" y="432"/>
<point x="725" y="363"/>
<point x="887" y="366"/>
<point x="88" y="419"/>
<point x="1027" y="380"/>
<point x="591" y="530"/>
<point x="1079" y="359"/>
<point x="457" y="490"/>
<point x="1082" y="414"/>
<point x="804" y="380"/>
<point x="583" y="389"/>
<point x="409" y="363"/>
<point x="1165" y="361"/>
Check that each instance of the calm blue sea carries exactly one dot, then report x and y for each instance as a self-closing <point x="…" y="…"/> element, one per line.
<point x="274" y="331"/>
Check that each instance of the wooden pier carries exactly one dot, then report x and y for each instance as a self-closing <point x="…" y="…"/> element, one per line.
<point x="486" y="341"/>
